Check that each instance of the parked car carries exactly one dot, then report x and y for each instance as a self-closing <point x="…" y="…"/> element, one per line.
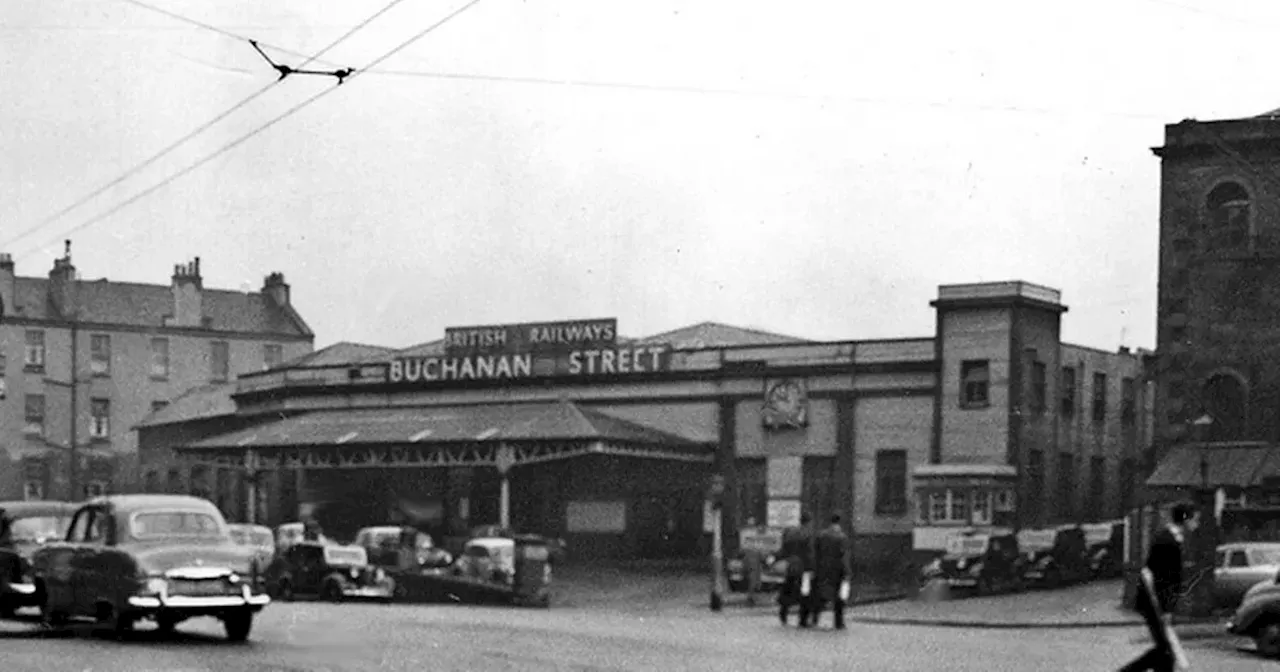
<point x="1055" y="556"/>
<point x="289" y="534"/>
<point x="984" y="562"/>
<point x="489" y="559"/>
<point x="556" y="546"/>
<point x="258" y="540"/>
<point x="1242" y="565"/>
<point x="1258" y="617"/>
<point x="1106" y="545"/>
<point x="773" y="572"/>
<point x="165" y="558"/>
<point x="25" y="527"/>
<point x="402" y="548"/>
<point x="329" y="571"/>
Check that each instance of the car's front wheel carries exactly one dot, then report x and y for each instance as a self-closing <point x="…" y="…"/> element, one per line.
<point x="238" y="625"/>
<point x="1267" y="638"/>
<point x="50" y="615"/>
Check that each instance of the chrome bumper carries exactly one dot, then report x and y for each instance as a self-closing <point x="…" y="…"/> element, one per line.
<point x="962" y="582"/>
<point x="200" y="602"/>
<point x="369" y="591"/>
<point x="23" y="588"/>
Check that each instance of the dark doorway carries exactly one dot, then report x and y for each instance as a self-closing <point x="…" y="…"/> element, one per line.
<point x="1225" y="402"/>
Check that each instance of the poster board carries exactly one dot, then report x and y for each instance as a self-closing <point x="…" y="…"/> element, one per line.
<point x="767" y="540"/>
<point x="597" y="517"/>
<point x="783" y="513"/>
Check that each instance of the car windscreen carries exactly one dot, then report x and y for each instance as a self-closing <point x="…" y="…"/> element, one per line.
<point x="38" y="529"/>
<point x="174" y="523"/>
<point x="1264" y="556"/>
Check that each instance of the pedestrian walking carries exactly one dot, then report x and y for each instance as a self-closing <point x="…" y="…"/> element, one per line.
<point x="752" y="559"/>
<point x="1165" y="561"/>
<point x="797" y="550"/>
<point x="832" y="572"/>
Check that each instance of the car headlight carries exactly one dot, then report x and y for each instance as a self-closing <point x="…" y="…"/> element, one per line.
<point x="933" y="567"/>
<point x="156" y="585"/>
<point x="976" y="568"/>
<point x="379" y="575"/>
<point x="962" y="563"/>
<point x="355" y="573"/>
<point x="233" y="578"/>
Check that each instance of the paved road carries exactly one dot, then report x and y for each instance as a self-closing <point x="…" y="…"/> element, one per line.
<point x="316" y="636"/>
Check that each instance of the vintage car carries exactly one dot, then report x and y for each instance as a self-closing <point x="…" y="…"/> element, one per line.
<point x="258" y="540"/>
<point x="489" y="559"/>
<point x="556" y="546"/>
<point x="984" y="562"/>
<point x="766" y="542"/>
<point x="1240" y="566"/>
<point x="329" y="571"/>
<point x="289" y="534"/>
<point x="1054" y="556"/>
<point x="773" y="572"/>
<point x="402" y="548"/>
<point x="1105" y="542"/>
<point x="1258" y="617"/>
<point x="24" y="527"/>
<point x="165" y="558"/>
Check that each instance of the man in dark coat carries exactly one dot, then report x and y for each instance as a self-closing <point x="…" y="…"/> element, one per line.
<point x="1164" y="560"/>
<point x="797" y="550"/>
<point x="1166" y="556"/>
<point x="831" y="569"/>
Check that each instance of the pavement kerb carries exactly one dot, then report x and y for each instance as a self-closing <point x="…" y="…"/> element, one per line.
<point x="996" y="625"/>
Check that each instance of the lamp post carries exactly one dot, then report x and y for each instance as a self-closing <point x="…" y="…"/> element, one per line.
<point x="1206" y="537"/>
<point x="504" y="458"/>
<point x="715" y="495"/>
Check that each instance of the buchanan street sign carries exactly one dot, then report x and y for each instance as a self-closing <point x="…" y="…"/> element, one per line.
<point x="535" y="350"/>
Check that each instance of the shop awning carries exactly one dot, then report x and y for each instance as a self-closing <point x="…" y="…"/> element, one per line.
<point x="444" y="436"/>
<point x="1234" y="464"/>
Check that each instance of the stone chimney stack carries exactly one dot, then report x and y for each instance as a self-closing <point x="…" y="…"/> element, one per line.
<point x="62" y="285"/>
<point x="275" y="287"/>
<point x="188" y="303"/>
<point x="8" y="286"/>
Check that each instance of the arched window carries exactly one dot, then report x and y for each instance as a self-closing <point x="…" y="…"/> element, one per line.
<point x="1228" y="209"/>
<point x="1225" y="400"/>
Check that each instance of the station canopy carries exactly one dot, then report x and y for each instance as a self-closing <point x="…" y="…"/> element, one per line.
<point x="441" y="436"/>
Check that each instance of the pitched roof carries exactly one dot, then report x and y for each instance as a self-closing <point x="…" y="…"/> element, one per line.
<point x="562" y="420"/>
<point x="717" y="335"/>
<point x="142" y="305"/>
<point x="1240" y="464"/>
<point x="198" y="403"/>
<point x="343" y="352"/>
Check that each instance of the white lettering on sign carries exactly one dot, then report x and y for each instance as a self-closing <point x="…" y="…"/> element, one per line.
<point x="647" y="359"/>
<point x="571" y="333"/>
<point x="629" y="360"/>
<point x="472" y="338"/>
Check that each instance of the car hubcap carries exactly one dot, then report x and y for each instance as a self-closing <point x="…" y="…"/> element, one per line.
<point x="1269" y="640"/>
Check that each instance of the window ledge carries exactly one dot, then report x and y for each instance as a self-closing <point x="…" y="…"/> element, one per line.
<point x="975" y="406"/>
<point x="33" y="368"/>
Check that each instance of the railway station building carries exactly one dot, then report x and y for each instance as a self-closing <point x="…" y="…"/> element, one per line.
<point x="573" y="430"/>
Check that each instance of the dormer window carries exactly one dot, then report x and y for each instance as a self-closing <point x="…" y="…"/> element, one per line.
<point x="1228" y="209"/>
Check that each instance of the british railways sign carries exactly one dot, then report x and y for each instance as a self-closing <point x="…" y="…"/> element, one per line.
<point x="537" y="350"/>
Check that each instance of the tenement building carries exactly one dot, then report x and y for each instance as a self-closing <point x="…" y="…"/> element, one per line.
<point x="82" y="361"/>
<point x="572" y="429"/>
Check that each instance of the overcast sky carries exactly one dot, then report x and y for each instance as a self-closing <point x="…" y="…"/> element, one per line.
<point x="813" y="168"/>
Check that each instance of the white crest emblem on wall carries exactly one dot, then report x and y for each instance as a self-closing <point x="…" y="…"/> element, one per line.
<point x="786" y="404"/>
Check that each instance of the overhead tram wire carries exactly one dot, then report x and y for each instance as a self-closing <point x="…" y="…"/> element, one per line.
<point x="275" y="120"/>
<point x="198" y="130"/>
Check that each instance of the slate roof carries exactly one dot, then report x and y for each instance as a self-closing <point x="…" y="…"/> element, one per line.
<point x="701" y="335"/>
<point x="343" y="352"/>
<point x="198" y="403"/>
<point x="143" y="305"/>
<point x="562" y="420"/>
<point x="717" y="335"/>
<point x="1240" y="464"/>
